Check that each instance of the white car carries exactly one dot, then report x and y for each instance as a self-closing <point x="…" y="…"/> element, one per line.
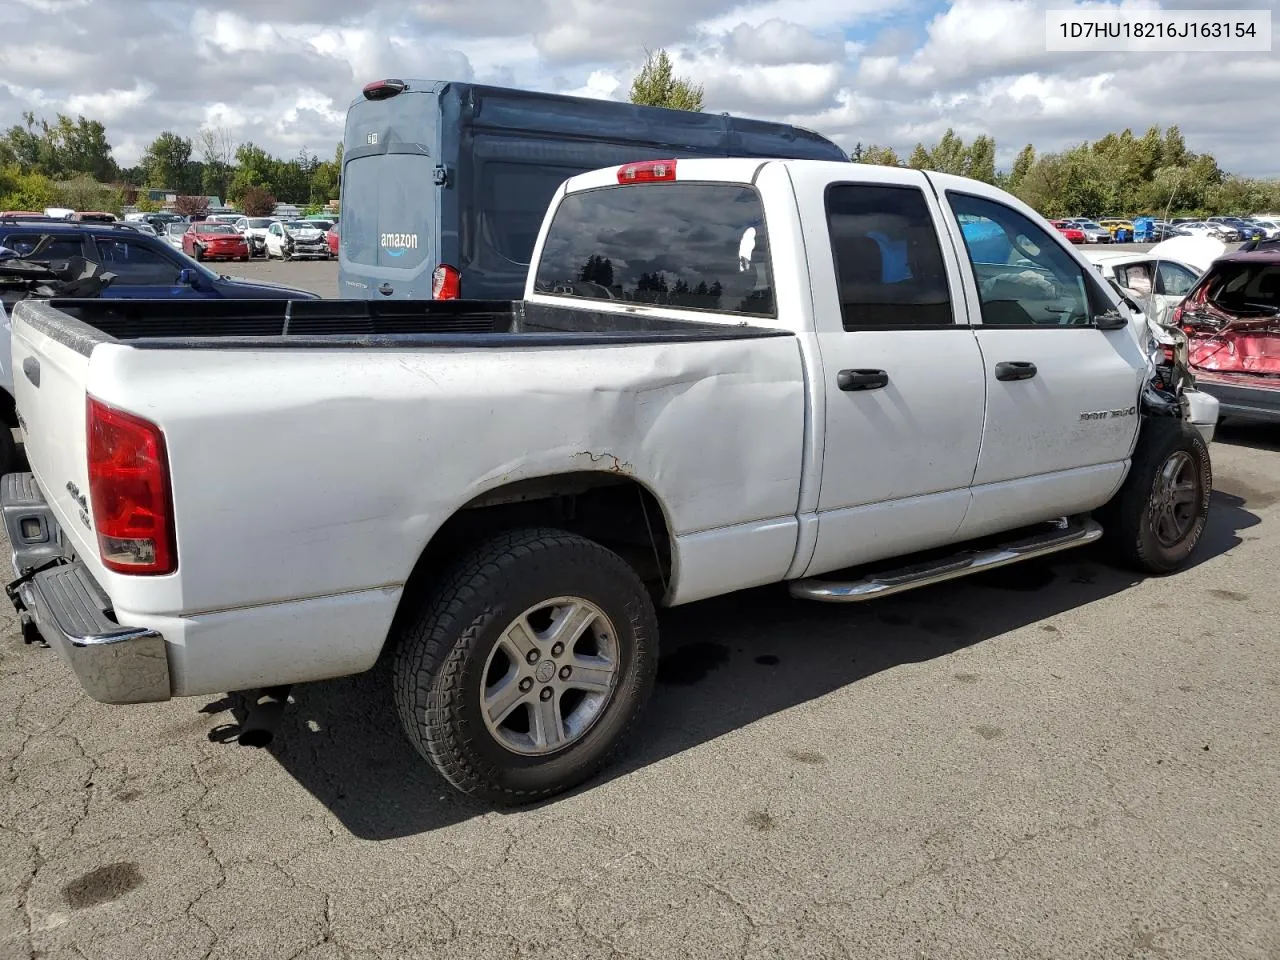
<point x="1270" y="228"/>
<point x="254" y="230"/>
<point x="296" y="239"/>
<point x="1157" y="283"/>
<point x="834" y="366"/>
<point x="1204" y="228"/>
<point x="173" y="232"/>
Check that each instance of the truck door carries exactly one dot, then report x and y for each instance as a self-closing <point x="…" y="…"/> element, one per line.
<point x="1062" y="394"/>
<point x="902" y="372"/>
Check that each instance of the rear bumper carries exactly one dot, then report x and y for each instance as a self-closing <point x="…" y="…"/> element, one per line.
<point x="114" y="663"/>
<point x="1239" y="397"/>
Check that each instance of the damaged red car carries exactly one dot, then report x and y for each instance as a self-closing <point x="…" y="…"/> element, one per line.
<point x="1232" y="321"/>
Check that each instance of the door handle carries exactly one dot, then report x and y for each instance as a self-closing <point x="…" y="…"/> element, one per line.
<point x="850" y="380"/>
<point x="1015" y="370"/>
<point x="31" y="367"/>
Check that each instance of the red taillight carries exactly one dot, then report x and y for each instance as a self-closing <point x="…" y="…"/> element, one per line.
<point x="446" y="283"/>
<point x="1175" y="318"/>
<point x="647" y="171"/>
<point x="129" y="492"/>
<point x="383" y="89"/>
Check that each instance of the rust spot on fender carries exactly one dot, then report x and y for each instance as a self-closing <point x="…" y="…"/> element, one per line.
<point x="612" y="463"/>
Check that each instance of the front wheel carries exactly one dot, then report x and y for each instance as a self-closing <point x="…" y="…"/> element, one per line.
<point x="1156" y="519"/>
<point x="198" y="252"/>
<point x="524" y="671"/>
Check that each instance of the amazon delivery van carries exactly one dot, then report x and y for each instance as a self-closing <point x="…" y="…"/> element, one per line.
<point x="444" y="185"/>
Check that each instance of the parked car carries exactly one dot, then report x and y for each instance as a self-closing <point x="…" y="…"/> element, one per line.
<point x="1199" y="228"/>
<point x="1093" y="232"/>
<point x="320" y="223"/>
<point x="174" y="231"/>
<point x="1232" y="320"/>
<point x="212" y="240"/>
<point x="1157" y="283"/>
<point x="1069" y="230"/>
<point x="1270" y="228"/>
<point x="460" y="211"/>
<point x="93" y="216"/>
<point x="513" y="581"/>
<point x="331" y="238"/>
<point x="146" y="267"/>
<point x="1244" y="230"/>
<point x="142" y="266"/>
<point x="254" y="231"/>
<point x="295" y="240"/>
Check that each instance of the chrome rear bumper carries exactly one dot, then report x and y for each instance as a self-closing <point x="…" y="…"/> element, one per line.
<point x="114" y="663"/>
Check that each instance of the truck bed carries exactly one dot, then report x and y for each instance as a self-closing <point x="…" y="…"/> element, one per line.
<point x="259" y="324"/>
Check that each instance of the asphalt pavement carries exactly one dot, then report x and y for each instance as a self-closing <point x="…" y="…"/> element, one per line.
<point x="1058" y="760"/>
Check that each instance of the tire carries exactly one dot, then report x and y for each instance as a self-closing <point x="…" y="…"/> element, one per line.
<point x="8" y="450"/>
<point x="1142" y="535"/>
<point x="198" y="252"/>
<point x="455" y="645"/>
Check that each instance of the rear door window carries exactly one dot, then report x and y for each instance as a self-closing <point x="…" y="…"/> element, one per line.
<point x="58" y="248"/>
<point x="1246" y="288"/>
<point x="888" y="261"/>
<point x="698" y="246"/>
<point x="136" y="263"/>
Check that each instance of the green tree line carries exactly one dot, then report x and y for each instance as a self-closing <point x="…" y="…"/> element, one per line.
<point x="68" y="162"/>
<point x="1120" y="174"/>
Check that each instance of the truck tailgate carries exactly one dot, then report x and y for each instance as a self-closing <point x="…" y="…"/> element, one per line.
<point x="50" y="379"/>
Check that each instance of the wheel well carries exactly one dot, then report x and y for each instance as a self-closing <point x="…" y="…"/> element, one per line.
<point x="617" y="512"/>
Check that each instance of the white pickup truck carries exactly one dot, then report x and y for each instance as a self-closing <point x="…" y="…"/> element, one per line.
<point x="724" y="374"/>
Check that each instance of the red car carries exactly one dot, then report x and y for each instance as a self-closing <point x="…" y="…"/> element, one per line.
<point x="210" y="240"/>
<point x="1232" y="321"/>
<point x="1069" y="230"/>
<point x="331" y="237"/>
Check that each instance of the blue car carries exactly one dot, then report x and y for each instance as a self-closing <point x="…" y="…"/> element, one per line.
<point x="146" y="268"/>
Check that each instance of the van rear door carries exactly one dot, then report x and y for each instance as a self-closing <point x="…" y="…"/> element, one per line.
<point x="390" y="202"/>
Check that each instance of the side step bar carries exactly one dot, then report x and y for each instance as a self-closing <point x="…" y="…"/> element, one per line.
<point x="1068" y="534"/>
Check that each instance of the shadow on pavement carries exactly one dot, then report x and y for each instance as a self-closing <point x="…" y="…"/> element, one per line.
<point x="1248" y="433"/>
<point x="727" y="662"/>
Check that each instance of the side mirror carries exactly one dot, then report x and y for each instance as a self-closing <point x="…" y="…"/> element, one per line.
<point x="186" y="277"/>
<point x="1111" y="320"/>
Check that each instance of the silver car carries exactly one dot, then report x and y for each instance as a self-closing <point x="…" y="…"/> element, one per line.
<point x="173" y="233"/>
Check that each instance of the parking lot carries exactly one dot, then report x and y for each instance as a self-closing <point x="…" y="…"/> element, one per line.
<point x="1055" y="760"/>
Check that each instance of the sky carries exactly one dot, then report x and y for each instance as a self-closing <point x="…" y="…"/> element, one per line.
<point x="893" y="72"/>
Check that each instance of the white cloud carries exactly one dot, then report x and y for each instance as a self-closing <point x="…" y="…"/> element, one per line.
<point x="281" y="73"/>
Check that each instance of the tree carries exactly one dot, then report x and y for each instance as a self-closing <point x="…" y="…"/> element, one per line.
<point x="85" y="193"/>
<point x="980" y="160"/>
<point x="1022" y="163"/>
<point x="257" y="202"/>
<point x="254" y="168"/>
<point x="167" y="162"/>
<point x="919" y="159"/>
<point x="656" y="85"/>
<point x="218" y="149"/>
<point x="881" y="156"/>
<point x="189" y="205"/>
<point x="81" y="146"/>
<point x="21" y="190"/>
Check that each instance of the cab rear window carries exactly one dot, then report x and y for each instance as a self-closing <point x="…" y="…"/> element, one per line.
<point x="697" y="246"/>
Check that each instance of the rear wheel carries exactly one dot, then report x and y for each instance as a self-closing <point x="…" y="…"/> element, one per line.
<point x="1155" y="521"/>
<point x="524" y="671"/>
